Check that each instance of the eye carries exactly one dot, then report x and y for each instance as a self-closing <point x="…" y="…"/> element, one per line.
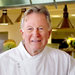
<point x="40" y="28"/>
<point x="30" y="29"/>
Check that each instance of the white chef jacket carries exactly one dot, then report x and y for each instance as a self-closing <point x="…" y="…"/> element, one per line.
<point x="50" y="61"/>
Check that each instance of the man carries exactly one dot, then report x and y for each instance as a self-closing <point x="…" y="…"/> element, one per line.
<point x="32" y="57"/>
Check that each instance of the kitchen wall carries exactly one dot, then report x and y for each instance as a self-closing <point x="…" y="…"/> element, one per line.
<point x="14" y="30"/>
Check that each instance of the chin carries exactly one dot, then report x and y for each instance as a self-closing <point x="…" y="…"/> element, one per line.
<point x="37" y="48"/>
<point x="37" y="51"/>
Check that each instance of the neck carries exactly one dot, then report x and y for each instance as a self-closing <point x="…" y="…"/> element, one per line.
<point x="32" y="53"/>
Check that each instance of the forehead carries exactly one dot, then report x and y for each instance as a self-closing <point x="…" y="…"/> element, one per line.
<point x="35" y="18"/>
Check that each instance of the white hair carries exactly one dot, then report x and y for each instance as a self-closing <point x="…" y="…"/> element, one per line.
<point x="40" y="9"/>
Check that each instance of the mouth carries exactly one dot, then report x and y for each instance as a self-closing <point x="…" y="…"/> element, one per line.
<point x="35" y="41"/>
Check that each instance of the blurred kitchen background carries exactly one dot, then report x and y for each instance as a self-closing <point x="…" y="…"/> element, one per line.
<point x="62" y="14"/>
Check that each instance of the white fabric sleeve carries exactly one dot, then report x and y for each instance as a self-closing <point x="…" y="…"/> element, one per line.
<point x="71" y="66"/>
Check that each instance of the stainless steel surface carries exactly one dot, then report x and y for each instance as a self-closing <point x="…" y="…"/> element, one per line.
<point x="12" y="3"/>
<point x="23" y="3"/>
<point x="16" y="3"/>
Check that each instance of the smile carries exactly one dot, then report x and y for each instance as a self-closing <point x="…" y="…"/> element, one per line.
<point x="36" y="41"/>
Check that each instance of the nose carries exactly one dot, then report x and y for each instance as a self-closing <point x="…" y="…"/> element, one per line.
<point x="36" y="32"/>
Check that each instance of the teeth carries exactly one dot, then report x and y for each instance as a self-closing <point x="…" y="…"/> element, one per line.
<point x="36" y="40"/>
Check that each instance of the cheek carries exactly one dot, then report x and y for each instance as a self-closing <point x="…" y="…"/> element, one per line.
<point x="45" y="35"/>
<point x="26" y="36"/>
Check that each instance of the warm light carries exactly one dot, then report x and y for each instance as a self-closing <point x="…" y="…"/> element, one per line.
<point x="4" y="20"/>
<point x="4" y="24"/>
<point x="73" y="15"/>
<point x="55" y="16"/>
<point x="54" y="29"/>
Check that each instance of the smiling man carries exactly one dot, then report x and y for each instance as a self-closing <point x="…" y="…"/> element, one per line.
<point x="32" y="57"/>
<point x="35" y="32"/>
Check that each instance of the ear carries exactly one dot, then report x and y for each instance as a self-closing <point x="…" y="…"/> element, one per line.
<point x="50" y="33"/>
<point x="21" y="31"/>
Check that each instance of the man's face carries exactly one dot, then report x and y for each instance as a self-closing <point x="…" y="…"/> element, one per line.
<point x="35" y="34"/>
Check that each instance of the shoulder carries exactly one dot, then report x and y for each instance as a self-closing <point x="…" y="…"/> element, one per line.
<point x="5" y="56"/>
<point x="56" y="53"/>
<point x="59" y="56"/>
<point x="12" y="52"/>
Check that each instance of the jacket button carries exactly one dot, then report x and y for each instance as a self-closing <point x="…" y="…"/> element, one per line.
<point x="18" y="65"/>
